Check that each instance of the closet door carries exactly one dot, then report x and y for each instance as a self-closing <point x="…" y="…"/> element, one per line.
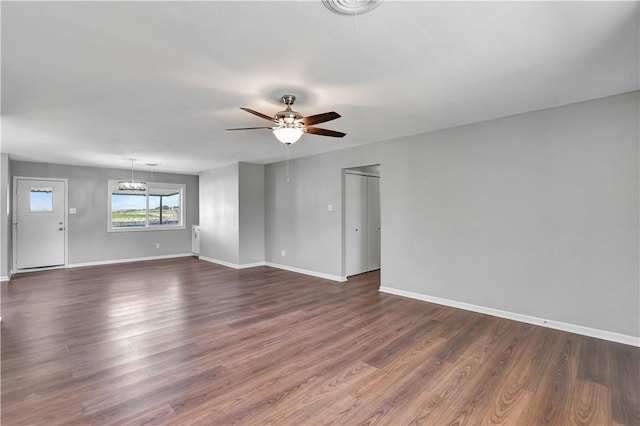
<point x="355" y="224"/>
<point x="373" y="223"/>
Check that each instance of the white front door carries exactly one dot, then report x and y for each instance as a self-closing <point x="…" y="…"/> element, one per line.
<point x="40" y="218"/>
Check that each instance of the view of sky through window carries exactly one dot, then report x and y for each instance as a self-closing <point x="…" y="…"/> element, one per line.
<point x="41" y="200"/>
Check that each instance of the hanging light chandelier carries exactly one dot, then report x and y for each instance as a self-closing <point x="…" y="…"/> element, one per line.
<point x="132" y="185"/>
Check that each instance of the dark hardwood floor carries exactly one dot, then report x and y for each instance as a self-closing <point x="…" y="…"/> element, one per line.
<point x="186" y="342"/>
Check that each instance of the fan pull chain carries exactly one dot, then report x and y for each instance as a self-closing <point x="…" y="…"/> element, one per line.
<point x="286" y="167"/>
<point x="356" y="15"/>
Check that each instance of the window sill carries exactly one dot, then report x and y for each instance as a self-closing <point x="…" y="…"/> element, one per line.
<point x="147" y="228"/>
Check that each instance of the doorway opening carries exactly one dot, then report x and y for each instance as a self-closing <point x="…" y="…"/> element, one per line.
<point x="362" y="226"/>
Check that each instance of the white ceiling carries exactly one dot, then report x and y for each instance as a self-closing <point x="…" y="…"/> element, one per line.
<point x="95" y="84"/>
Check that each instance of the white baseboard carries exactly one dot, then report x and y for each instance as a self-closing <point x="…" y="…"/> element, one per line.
<point x="274" y="265"/>
<point x="102" y="262"/>
<point x="207" y="259"/>
<point x="229" y="264"/>
<point x="307" y="272"/>
<point x="127" y="260"/>
<point x="4" y="278"/>
<point x="557" y="325"/>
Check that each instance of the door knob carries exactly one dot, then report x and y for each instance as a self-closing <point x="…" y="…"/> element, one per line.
<point x="60" y="223"/>
<point x="61" y="229"/>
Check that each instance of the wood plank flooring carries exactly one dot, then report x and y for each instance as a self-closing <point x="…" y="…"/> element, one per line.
<point x="186" y="342"/>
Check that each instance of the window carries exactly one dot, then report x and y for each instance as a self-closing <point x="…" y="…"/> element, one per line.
<point x="159" y="206"/>
<point x="40" y="199"/>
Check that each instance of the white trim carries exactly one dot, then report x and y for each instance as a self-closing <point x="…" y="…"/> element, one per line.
<point x="251" y="265"/>
<point x="274" y="265"/>
<point x="4" y="278"/>
<point x="102" y="262"/>
<point x="229" y="264"/>
<point x="126" y="260"/>
<point x="307" y="272"/>
<point x="360" y="173"/>
<point x="36" y="269"/>
<point x="557" y="325"/>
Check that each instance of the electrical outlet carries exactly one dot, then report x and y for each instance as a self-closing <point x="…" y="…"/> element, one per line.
<point x="330" y="207"/>
<point x="157" y="245"/>
<point x="283" y="253"/>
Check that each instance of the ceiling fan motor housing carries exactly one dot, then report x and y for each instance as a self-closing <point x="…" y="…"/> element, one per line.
<point x="288" y="99"/>
<point x="288" y="117"/>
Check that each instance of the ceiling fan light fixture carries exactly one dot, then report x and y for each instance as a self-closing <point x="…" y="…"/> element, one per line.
<point x="288" y="125"/>
<point x="288" y="135"/>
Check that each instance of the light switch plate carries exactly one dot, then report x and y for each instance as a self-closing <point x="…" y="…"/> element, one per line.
<point x="330" y="207"/>
<point x="73" y="210"/>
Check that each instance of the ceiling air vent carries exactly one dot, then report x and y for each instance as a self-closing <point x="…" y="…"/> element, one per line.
<point x="351" y="7"/>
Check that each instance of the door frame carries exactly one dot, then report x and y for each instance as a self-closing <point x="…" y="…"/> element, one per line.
<point x="14" y="222"/>
<point x="354" y="170"/>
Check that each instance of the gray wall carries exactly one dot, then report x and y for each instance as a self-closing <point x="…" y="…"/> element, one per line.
<point x="296" y="212"/>
<point x="89" y="240"/>
<point x="6" y="258"/>
<point x="219" y="217"/>
<point x="232" y="213"/>
<point x="535" y="214"/>
<point x="251" y="211"/>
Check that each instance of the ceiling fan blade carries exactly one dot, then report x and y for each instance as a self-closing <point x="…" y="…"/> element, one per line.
<point x="259" y="114"/>
<point x="320" y="118"/>
<point x="250" y="128"/>
<point x="324" y="132"/>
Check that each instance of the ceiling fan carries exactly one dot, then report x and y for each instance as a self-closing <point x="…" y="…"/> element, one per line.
<point x="290" y="125"/>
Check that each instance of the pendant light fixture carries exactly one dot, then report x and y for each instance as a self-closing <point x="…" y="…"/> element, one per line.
<point x="132" y="185"/>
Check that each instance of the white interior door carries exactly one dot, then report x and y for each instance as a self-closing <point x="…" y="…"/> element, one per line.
<point x="355" y="224"/>
<point x="40" y="230"/>
<point x="373" y="223"/>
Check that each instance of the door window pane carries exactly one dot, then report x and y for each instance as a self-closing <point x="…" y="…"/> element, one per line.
<point x="40" y="199"/>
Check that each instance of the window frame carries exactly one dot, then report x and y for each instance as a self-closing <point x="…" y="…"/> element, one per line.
<point x="182" y="191"/>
